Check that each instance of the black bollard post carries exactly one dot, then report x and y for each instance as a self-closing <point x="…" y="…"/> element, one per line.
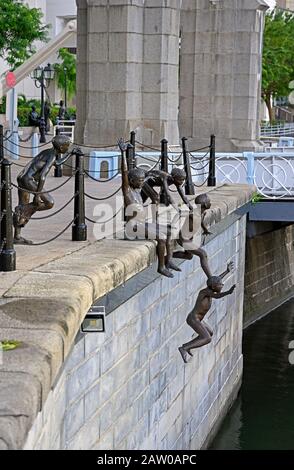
<point x="164" y="160"/>
<point x="133" y="143"/>
<point x="130" y="157"/>
<point x="79" y="228"/>
<point x="58" y="169"/>
<point x="189" y="186"/>
<point x="7" y="252"/>
<point x="211" y="181"/>
<point x="164" y="167"/>
<point x="1" y="143"/>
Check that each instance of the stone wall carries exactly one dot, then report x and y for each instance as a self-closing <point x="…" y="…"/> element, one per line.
<point x="269" y="272"/>
<point x="129" y="388"/>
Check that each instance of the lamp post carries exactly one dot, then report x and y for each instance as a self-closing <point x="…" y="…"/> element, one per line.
<point x="42" y="77"/>
<point x="65" y="88"/>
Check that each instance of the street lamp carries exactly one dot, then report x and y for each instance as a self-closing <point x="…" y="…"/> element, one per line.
<point x="65" y="88"/>
<point x="42" y="77"/>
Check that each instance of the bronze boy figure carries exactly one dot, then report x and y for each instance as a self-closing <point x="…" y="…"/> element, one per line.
<point x="202" y="306"/>
<point x="189" y="229"/>
<point x="32" y="179"/>
<point x="132" y="183"/>
<point x="161" y="179"/>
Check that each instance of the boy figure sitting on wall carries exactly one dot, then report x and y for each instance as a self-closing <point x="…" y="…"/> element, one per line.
<point x="202" y="306"/>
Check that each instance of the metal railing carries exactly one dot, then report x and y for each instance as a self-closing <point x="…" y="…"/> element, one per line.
<point x="65" y="127"/>
<point x="278" y="130"/>
<point x="271" y="172"/>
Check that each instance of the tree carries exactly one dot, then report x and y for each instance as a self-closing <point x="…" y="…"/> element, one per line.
<point x="66" y="72"/>
<point x="278" y="56"/>
<point x="20" y="26"/>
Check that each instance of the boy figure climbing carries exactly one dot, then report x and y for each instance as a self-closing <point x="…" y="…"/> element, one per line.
<point x="202" y="306"/>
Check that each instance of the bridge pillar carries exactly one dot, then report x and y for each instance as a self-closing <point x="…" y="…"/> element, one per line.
<point x="220" y="72"/>
<point x="160" y="87"/>
<point x="127" y="75"/>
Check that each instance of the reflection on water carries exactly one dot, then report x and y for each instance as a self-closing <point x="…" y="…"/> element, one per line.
<point x="263" y="415"/>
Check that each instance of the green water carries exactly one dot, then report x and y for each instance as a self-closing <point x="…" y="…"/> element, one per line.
<point x="263" y="415"/>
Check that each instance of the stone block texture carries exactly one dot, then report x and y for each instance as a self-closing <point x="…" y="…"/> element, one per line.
<point x="269" y="278"/>
<point x="127" y="79"/>
<point x="167" y="67"/>
<point x="128" y="388"/>
<point x="220" y="69"/>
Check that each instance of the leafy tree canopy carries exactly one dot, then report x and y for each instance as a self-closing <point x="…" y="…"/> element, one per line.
<point x="20" y="26"/>
<point x="66" y="72"/>
<point x="278" y="56"/>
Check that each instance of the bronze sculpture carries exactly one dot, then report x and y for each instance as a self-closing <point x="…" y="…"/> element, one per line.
<point x="31" y="180"/>
<point x="158" y="178"/>
<point x="161" y="179"/>
<point x="189" y="229"/>
<point x="136" y="225"/>
<point x="202" y="306"/>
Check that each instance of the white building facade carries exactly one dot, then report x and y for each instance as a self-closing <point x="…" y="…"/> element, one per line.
<point x="57" y="14"/>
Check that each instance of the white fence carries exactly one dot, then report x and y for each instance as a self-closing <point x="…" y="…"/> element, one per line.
<point x="277" y="130"/>
<point x="272" y="172"/>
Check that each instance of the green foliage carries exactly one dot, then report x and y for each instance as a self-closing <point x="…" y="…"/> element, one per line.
<point x="24" y="108"/>
<point x="9" y="344"/>
<point x="68" y="62"/>
<point x="278" y="56"/>
<point x="20" y="26"/>
<point x="256" y="197"/>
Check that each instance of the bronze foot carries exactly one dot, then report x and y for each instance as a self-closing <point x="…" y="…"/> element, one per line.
<point x="165" y="272"/>
<point x="171" y="265"/>
<point x="22" y="241"/>
<point x="183" y="353"/>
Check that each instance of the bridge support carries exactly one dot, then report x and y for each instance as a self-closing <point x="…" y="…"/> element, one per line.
<point x="127" y="75"/>
<point x="220" y="66"/>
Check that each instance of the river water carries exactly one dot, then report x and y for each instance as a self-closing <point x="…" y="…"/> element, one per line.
<point x="263" y="415"/>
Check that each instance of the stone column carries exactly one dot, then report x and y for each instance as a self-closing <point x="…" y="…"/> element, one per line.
<point x="221" y="71"/>
<point x="113" y="73"/>
<point x="160" y="91"/>
<point x="82" y="71"/>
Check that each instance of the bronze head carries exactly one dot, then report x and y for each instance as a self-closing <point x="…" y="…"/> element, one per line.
<point x="136" y="178"/>
<point x="179" y="176"/>
<point x="61" y="143"/>
<point x="204" y="201"/>
<point x="215" y="283"/>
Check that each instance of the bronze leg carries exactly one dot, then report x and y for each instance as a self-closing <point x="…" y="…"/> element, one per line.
<point x="203" y="260"/>
<point x="202" y="339"/>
